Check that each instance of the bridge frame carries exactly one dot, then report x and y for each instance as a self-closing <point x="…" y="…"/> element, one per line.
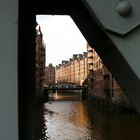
<point x="109" y="47"/>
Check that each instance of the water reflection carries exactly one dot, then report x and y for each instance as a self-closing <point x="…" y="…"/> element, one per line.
<point x="65" y="95"/>
<point x="78" y="120"/>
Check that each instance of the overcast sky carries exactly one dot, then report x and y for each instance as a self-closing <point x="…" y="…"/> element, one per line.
<point x="62" y="38"/>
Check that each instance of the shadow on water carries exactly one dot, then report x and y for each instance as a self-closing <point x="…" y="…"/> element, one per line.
<point x="43" y="125"/>
<point x="115" y="126"/>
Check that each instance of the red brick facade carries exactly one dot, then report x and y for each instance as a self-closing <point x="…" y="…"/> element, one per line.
<point x="40" y="58"/>
<point x="49" y="75"/>
<point x="101" y="82"/>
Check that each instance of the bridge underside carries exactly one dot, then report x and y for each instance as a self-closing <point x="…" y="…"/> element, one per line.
<point x="120" y="53"/>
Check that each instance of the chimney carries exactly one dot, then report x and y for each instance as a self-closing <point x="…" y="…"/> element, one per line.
<point x="85" y="54"/>
<point x="74" y="56"/>
<point x="80" y="56"/>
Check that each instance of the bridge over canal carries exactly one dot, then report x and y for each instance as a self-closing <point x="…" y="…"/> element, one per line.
<point x="111" y="28"/>
<point x="61" y="88"/>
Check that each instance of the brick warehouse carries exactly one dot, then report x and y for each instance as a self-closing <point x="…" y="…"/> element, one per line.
<point x="40" y="58"/>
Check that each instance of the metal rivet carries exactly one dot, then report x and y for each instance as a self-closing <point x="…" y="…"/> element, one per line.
<point x="124" y="8"/>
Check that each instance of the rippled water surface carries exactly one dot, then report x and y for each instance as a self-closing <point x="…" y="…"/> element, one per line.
<point x="78" y="120"/>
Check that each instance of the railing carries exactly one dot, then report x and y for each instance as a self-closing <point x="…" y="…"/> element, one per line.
<point x="67" y="88"/>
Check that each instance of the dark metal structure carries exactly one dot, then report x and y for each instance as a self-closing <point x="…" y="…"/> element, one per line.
<point x="111" y="28"/>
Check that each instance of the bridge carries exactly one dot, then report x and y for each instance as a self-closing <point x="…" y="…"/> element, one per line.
<point x="111" y="28"/>
<point x="65" y="86"/>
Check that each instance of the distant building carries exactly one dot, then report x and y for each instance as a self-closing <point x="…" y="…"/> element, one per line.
<point x="40" y="58"/>
<point x="73" y="71"/>
<point x="50" y="75"/>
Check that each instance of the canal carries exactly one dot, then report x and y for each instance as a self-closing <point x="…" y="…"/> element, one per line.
<point x="67" y="117"/>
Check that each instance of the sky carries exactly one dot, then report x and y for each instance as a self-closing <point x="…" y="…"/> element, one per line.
<point x="62" y="38"/>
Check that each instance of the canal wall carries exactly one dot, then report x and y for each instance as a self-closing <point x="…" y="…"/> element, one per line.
<point x="104" y="102"/>
<point x="39" y="113"/>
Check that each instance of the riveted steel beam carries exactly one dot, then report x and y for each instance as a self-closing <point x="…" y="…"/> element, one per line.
<point x="118" y="16"/>
<point x="118" y="41"/>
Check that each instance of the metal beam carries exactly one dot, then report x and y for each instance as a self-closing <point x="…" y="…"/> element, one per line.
<point x="119" y="45"/>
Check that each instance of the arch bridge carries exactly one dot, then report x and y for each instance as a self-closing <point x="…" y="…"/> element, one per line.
<point x="65" y="84"/>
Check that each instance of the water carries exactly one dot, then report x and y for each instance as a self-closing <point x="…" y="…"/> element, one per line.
<point x="75" y="119"/>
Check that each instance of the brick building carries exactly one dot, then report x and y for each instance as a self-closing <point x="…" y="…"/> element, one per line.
<point x="49" y="75"/>
<point x="101" y="82"/>
<point x="73" y="71"/>
<point x="40" y="58"/>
